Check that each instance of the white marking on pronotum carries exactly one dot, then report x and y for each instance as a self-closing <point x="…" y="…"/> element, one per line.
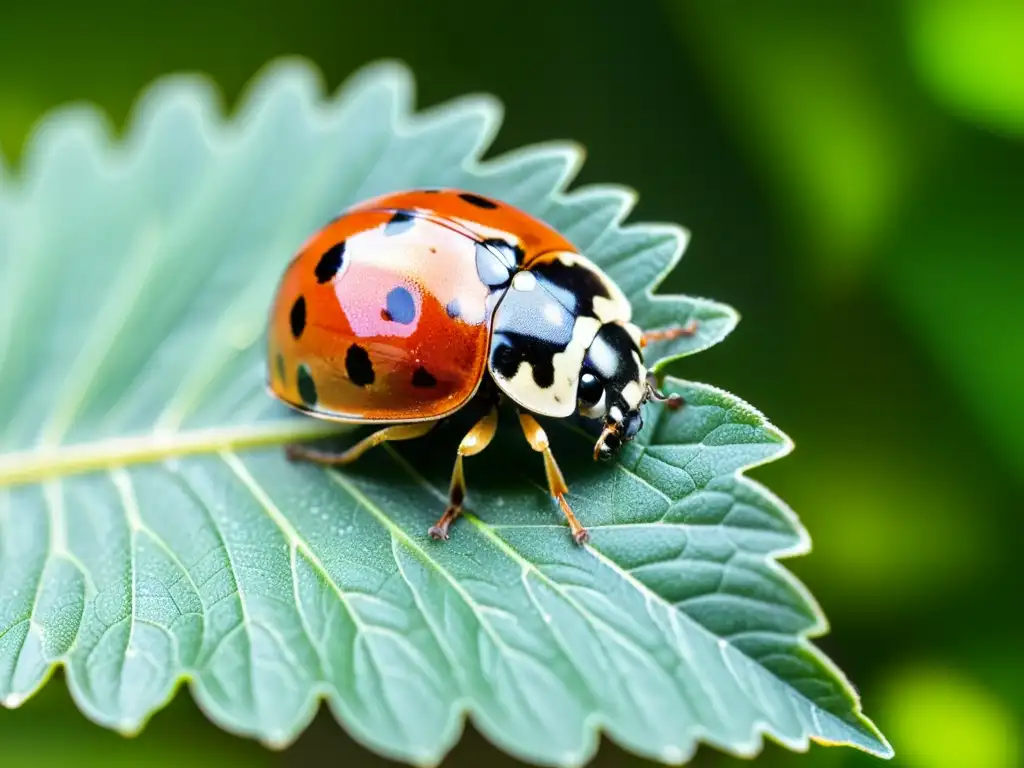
<point x="614" y="308"/>
<point x="603" y="357"/>
<point x="609" y="311"/>
<point x="633" y="393"/>
<point x="634" y="332"/>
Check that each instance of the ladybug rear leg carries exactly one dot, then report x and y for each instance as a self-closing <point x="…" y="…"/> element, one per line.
<point x="296" y="452"/>
<point x="478" y="438"/>
<point x="538" y="440"/>
<point x="667" y="334"/>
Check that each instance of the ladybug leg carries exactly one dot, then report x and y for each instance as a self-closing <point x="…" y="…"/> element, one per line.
<point x="673" y="402"/>
<point x="667" y="334"/>
<point x="478" y="438"/>
<point x="296" y="452"/>
<point x="538" y="440"/>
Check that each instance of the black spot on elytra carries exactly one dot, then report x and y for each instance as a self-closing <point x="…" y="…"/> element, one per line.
<point x="358" y="366"/>
<point x="330" y="262"/>
<point x="453" y="309"/>
<point x="400" y="306"/>
<point x="307" y="387"/>
<point x="401" y="222"/>
<point x="423" y="378"/>
<point x="297" y="318"/>
<point x="479" y="202"/>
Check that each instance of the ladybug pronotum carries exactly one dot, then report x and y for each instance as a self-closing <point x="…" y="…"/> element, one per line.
<point x="411" y="305"/>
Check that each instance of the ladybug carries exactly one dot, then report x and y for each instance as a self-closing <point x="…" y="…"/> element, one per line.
<point x="409" y="306"/>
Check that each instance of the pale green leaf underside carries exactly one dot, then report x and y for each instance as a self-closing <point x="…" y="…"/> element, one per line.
<point x="151" y="530"/>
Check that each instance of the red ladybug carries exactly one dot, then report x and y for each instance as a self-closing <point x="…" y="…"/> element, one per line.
<point x="409" y="306"/>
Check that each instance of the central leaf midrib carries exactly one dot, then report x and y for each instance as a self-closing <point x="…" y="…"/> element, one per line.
<point x="36" y="465"/>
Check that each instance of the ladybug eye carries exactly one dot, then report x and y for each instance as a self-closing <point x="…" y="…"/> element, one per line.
<point x="591" y="396"/>
<point x="590" y="390"/>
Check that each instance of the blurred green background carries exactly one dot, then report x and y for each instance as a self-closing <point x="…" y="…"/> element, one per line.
<point x="853" y="177"/>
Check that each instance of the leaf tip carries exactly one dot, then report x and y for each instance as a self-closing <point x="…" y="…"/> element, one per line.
<point x="13" y="700"/>
<point x="675" y="755"/>
<point x="881" y="747"/>
<point x="566" y="156"/>
<point x="878" y="746"/>
<point x="129" y="729"/>
<point x="392" y="74"/>
<point x="277" y="741"/>
<point x="573" y="155"/>
<point x="730" y="314"/>
<point x="485" y="108"/>
<point x="77" y="128"/>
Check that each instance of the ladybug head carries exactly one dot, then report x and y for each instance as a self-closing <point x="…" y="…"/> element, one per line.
<point x="612" y="387"/>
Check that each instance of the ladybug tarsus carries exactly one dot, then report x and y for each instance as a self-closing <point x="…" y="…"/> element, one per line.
<point x="478" y="438"/>
<point x="437" y="533"/>
<point x="581" y="537"/>
<point x="673" y="402"/>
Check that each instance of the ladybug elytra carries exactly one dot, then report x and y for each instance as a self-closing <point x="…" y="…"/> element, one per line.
<point x="408" y="306"/>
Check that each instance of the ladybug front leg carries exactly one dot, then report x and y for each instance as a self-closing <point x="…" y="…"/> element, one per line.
<point x="538" y="440"/>
<point x="296" y="452"/>
<point x="478" y="438"/>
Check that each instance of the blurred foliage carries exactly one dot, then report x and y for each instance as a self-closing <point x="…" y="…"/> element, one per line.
<point x="852" y="176"/>
<point x="971" y="57"/>
<point x="814" y="108"/>
<point x="958" y="288"/>
<point x="947" y="720"/>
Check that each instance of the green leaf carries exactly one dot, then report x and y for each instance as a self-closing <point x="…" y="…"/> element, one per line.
<point x="151" y="530"/>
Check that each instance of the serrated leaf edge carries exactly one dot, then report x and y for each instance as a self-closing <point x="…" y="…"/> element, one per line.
<point x="406" y="122"/>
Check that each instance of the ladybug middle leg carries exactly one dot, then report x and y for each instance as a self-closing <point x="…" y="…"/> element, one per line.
<point x="297" y="452"/>
<point x="673" y="402"/>
<point x="538" y="440"/>
<point x="478" y="438"/>
<point x="667" y="334"/>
